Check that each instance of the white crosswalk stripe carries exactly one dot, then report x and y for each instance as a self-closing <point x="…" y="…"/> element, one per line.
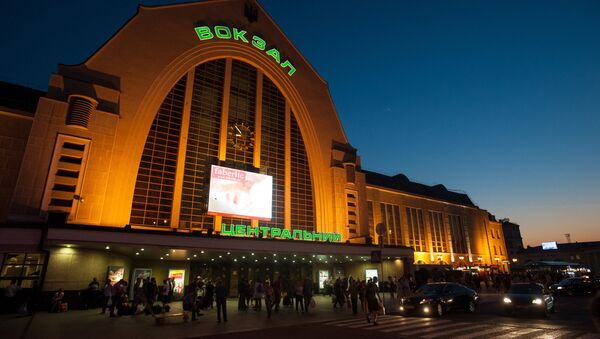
<point x="365" y="323"/>
<point x="553" y="334"/>
<point x="400" y="322"/>
<point x="494" y="329"/>
<point x="431" y="328"/>
<point x="445" y="333"/>
<point x="424" y="324"/>
<point x="346" y="321"/>
<point x="436" y="328"/>
<point x="518" y="332"/>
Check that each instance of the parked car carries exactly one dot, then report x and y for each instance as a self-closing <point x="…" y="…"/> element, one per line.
<point x="439" y="298"/>
<point x="528" y="297"/>
<point x="573" y="286"/>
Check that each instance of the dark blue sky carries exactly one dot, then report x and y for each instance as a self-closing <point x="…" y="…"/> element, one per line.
<point x="498" y="99"/>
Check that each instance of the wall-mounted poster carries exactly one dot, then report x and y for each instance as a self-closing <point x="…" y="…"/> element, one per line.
<point x="179" y="278"/>
<point x="115" y="273"/>
<point x="144" y="273"/>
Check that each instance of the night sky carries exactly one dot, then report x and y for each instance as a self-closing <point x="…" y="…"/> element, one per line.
<point x="500" y="99"/>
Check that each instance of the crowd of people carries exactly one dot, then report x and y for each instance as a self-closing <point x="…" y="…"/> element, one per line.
<point x="358" y="295"/>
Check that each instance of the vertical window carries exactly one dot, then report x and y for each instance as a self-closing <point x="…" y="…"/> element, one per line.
<point x="272" y="156"/>
<point x="438" y="236"/>
<point x="302" y="198"/>
<point x="416" y="229"/>
<point x="352" y="212"/>
<point x="458" y="234"/>
<point x="390" y="216"/>
<point x="203" y="144"/>
<point x="153" y="195"/>
<point x="371" y="219"/>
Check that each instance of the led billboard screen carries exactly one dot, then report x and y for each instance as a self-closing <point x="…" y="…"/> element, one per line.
<point x="551" y="245"/>
<point x="237" y="193"/>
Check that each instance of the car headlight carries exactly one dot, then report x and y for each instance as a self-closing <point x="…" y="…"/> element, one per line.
<point x="425" y="301"/>
<point x="426" y="309"/>
<point x="559" y="288"/>
<point x="537" y="301"/>
<point x="401" y="308"/>
<point x="507" y="300"/>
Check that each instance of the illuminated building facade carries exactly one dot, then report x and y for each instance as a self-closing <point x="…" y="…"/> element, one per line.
<point x="123" y="150"/>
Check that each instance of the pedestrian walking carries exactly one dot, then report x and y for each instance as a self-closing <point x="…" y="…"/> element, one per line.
<point x="373" y="301"/>
<point x="107" y="293"/>
<point x="354" y="295"/>
<point x="242" y="295"/>
<point x="307" y="293"/>
<point x="221" y="295"/>
<point x="299" y="295"/>
<point x="269" y="298"/>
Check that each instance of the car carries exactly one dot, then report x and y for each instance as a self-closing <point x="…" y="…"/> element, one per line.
<point x="528" y="297"/>
<point x="438" y="298"/>
<point x="573" y="286"/>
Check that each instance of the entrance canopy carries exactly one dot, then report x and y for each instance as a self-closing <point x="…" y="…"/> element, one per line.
<point x="150" y="244"/>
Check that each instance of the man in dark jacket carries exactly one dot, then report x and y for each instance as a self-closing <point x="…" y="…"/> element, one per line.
<point x="221" y="296"/>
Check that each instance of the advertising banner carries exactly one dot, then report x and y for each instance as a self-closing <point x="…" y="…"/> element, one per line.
<point x="237" y="193"/>
<point x="115" y="273"/>
<point x="179" y="279"/>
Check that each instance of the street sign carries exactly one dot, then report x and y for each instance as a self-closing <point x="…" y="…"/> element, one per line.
<point x="375" y="256"/>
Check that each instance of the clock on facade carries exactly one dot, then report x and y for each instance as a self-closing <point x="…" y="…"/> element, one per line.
<point x="240" y="136"/>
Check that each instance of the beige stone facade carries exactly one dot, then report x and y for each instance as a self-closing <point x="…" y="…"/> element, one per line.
<point x="99" y="125"/>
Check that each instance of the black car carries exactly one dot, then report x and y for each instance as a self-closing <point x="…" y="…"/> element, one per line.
<point x="573" y="286"/>
<point x="438" y="298"/>
<point x="528" y="297"/>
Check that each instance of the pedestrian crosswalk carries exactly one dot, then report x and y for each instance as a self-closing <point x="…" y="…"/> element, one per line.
<point x="430" y="328"/>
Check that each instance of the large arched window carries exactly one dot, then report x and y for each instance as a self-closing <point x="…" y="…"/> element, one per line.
<point x="198" y="125"/>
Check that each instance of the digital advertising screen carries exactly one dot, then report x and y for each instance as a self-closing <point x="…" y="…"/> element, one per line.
<point x="237" y="193"/>
<point x="550" y="245"/>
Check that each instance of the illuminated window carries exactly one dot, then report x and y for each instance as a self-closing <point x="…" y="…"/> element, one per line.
<point x="153" y="195"/>
<point x="438" y="234"/>
<point x="25" y="268"/>
<point x="272" y="157"/>
<point x="371" y="221"/>
<point x="416" y="229"/>
<point x="459" y="243"/>
<point x="390" y="216"/>
<point x="203" y="144"/>
<point x="302" y="199"/>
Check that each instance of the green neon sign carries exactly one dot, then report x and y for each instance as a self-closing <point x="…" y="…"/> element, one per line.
<point x="226" y="33"/>
<point x="278" y="233"/>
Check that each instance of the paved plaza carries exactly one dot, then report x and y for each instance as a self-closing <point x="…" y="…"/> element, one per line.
<point x="90" y="324"/>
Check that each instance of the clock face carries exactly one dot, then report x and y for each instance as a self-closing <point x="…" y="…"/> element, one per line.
<point x="240" y="136"/>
